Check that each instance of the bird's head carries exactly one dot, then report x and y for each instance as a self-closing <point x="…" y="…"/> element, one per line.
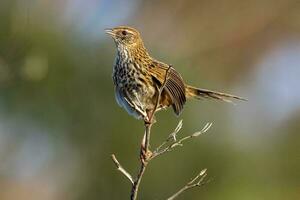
<point x="125" y="36"/>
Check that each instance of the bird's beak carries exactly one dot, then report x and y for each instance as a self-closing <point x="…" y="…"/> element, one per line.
<point x="110" y="32"/>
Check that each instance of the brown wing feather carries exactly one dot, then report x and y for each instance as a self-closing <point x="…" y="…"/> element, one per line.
<point x="174" y="86"/>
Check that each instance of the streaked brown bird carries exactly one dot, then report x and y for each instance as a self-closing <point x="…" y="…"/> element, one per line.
<point x="138" y="77"/>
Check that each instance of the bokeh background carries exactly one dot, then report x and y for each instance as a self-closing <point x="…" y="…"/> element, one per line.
<point x="59" y="122"/>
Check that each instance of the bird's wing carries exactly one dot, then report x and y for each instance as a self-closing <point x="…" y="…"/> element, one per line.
<point x="174" y="85"/>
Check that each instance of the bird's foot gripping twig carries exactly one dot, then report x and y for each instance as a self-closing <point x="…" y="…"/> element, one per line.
<point x="145" y="153"/>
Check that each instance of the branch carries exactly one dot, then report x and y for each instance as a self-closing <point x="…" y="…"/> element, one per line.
<point x="197" y="181"/>
<point x="144" y="163"/>
<point x="171" y="142"/>
<point x="121" y="169"/>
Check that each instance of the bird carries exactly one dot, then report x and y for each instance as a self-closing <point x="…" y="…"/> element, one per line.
<point x="144" y="85"/>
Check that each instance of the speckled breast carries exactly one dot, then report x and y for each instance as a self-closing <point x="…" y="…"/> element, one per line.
<point x="134" y="90"/>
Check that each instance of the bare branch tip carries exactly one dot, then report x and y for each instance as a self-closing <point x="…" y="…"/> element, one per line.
<point x="179" y="126"/>
<point x="121" y="169"/>
<point x="204" y="129"/>
<point x="203" y="172"/>
<point x="114" y="159"/>
<point x="177" y="129"/>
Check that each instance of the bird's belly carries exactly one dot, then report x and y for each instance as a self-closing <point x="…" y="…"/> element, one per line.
<point x="136" y="100"/>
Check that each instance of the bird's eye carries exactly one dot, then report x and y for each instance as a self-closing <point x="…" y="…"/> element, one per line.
<point x="124" y="33"/>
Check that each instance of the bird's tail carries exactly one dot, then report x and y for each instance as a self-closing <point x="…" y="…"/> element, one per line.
<point x="199" y="93"/>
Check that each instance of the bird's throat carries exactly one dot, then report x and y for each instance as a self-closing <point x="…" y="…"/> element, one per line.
<point x="131" y="53"/>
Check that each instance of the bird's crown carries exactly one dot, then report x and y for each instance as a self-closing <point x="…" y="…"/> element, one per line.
<point x="124" y="35"/>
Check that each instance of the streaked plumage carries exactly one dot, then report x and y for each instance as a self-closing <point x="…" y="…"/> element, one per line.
<point x="136" y="76"/>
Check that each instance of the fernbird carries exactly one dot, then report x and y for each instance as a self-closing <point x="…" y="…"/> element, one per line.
<point x="138" y="78"/>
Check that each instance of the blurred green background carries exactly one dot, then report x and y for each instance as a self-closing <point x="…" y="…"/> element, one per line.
<point x="59" y="122"/>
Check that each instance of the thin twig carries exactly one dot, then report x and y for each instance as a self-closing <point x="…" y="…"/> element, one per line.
<point x="144" y="163"/>
<point x="175" y="143"/>
<point x="146" y="142"/>
<point x="197" y="181"/>
<point x="121" y="169"/>
<point x="172" y="136"/>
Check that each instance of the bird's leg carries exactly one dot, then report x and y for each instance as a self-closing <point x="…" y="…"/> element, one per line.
<point x="149" y="119"/>
<point x="146" y="153"/>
